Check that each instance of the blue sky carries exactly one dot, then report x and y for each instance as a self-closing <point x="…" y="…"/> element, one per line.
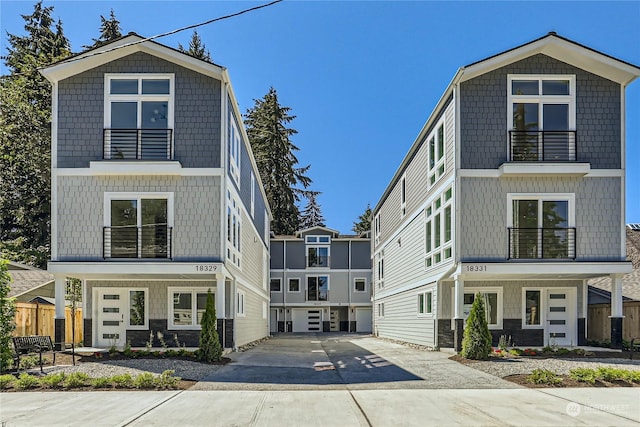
<point x="361" y="77"/>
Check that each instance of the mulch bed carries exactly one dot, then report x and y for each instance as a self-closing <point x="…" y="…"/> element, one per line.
<point x="67" y="358"/>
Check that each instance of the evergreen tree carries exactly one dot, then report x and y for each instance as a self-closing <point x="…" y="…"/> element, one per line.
<point x="364" y="222"/>
<point x="277" y="164"/>
<point x="109" y="30"/>
<point x="25" y="138"/>
<point x="7" y="317"/>
<point x="312" y="215"/>
<point x="476" y="341"/>
<point x="210" y="349"/>
<point x="197" y="48"/>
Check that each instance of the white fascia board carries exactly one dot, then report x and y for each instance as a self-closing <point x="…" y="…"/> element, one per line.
<point x="539" y="270"/>
<point x="538" y="168"/>
<point x="124" y="47"/>
<point x="561" y="50"/>
<point x="497" y="173"/>
<point x="103" y="168"/>
<point x="205" y="270"/>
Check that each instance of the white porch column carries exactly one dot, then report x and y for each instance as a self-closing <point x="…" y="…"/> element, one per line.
<point x="220" y="298"/>
<point x="616" y="295"/>
<point x="61" y="290"/>
<point x="458" y="302"/>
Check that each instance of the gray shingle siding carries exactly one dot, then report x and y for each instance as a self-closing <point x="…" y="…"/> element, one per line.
<point x="197" y="113"/>
<point x="483" y="115"/>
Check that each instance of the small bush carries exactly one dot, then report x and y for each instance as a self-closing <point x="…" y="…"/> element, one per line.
<point x="122" y="380"/>
<point x="611" y="374"/>
<point x="101" y="382"/>
<point x="544" y="376"/>
<point x="562" y="351"/>
<point x="6" y="380"/>
<point x="583" y="375"/>
<point x="547" y="350"/>
<point x="166" y="380"/>
<point x="476" y="341"/>
<point x="516" y="351"/>
<point x="632" y="376"/>
<point x="28" y="362"/>
<point x="144" y="380"/>
<point x="75" y="380"/>
<point x="53" y="380"/>
<point x="26" y="381"/>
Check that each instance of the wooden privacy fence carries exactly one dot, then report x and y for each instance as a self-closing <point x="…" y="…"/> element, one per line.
<point x="599" y="324"/>
<point x="39" y="319"/>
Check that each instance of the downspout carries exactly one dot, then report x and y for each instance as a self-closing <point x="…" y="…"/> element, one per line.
<point x="349" y="289"/>
<point x="284" y="282"/>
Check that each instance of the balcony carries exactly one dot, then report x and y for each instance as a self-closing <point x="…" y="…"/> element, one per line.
<point x="148" y="242"/>
<point x="542" y="243"/>
<point x="137" y="144"/>
<point x="318" y="261"/>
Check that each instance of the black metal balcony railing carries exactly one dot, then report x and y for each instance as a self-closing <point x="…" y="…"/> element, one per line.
<point x="137" y="144"/>
<point x="542" y="146"/>
<point x="318" y="261"/>
<point x="542" y="243"/>
<point x="148" y="241"/>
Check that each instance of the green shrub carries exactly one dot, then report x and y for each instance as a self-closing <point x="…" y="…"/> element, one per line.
<point x="547" y="350"/>
<point x="167" y="380"/>
<point x="584" y="375"/>
<point x="29" y="361"/>
<point x="632" y="376"/>
<point x="6" y="380"/>
<point x="210" y="349"/>
<point x="101" y="382"/>
<point x="144" y="380"/>
<point x="26" y="381"/>
<point x="75" y="380"/>
<point x="122" y="380"/>
<point x="476" y="341"/>
<point x="7" y="317"/>
<point x="516" y="351"/>
<point x="544" y="376"/>
<point x="562" y="351"/>
<point x="611" y="374"/>
<point x="53" y="380"/>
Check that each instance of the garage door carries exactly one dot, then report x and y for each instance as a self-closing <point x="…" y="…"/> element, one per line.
<point x="307" y="320"/>
<point x="363" y="320"/>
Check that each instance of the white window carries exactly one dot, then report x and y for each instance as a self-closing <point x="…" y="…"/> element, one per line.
<point x="376" y="228"/>
<point x="403" y="196"/>
<point x="317" y="288"/>
<point x="234" y="230"/>
<point x="318" y="239"/>
<point x="138" y="225"/>
<point x="381" y="309"/>
<point x="532" y="308"/>
<point x="240" y="304"/>
<point x="276" y="285"/>
<point x="294" y="285"/>
<point x="541" y="226"/>
<point x="234" y="146"/>
<point x="318" y="248"/>
<point x="439" y="229"/>
<point x="436" y="153"/>
<point x="425" y="303"/>
<point x="360" y="284"/>
<point x="253" y="194"/>
<point x="187" y="306"/>
<point x="542" y="117"/>
<point x="138" y="316"/>
<point x="380" y="270"/>
<point x="492" y="298"/>
<point x="138" y="118"/>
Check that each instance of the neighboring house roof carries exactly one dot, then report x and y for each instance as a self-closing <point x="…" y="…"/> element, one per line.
<point x="552" y="45"/>
<point x="334" y="233"/>
<point x="43" y="300"/>
<point x="26" y="278"/>
<point x="600" y="288"/>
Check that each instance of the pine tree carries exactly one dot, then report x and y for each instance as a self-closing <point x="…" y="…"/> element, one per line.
<point x="7" y="317"/>
<point x="476" y="341"/>
<point x="25" y="138"/>
<point x="364" y="222"/>
<point x="312" y="215"/>
<point x="274" y="152"/>
<point x="197" y="48"/>
<point x="109" y="30"/>
<point x="210" y="349"/>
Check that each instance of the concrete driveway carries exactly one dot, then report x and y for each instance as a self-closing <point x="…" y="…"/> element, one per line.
<point x="343" y="361"/>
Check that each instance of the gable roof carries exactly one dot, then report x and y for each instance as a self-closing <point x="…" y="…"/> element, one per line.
<point x="334" y="233"/>
<point x="26" y="278"/>
<point x="553" y="45"/>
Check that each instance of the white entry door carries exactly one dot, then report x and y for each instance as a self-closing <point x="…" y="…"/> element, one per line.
<point x="561" y="317"/>
<point x="363" y="319"/>
<point x="111" y="316"/>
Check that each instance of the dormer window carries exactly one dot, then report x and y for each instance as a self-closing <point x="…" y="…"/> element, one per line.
<point x="138" y="122"/>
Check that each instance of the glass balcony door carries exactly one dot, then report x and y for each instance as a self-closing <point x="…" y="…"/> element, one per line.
<point x="540" y="229"/>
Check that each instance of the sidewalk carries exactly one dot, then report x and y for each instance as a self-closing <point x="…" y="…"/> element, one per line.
<point x="435" y="407"/>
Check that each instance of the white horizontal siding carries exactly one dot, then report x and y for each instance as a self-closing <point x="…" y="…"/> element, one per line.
<point x="253" y="325"/>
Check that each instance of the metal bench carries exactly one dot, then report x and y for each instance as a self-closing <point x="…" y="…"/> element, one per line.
<point x="32" y="344"/>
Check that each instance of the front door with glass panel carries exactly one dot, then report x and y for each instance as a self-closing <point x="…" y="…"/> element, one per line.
<point x="560" y="328"/>
<point x="111" y="317"/>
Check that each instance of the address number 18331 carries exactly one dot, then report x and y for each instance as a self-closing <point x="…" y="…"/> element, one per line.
<point x="475" y="268"/>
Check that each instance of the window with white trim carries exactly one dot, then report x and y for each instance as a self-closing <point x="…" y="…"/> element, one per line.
<point x="138" y="118"/>
<point x="438" y="229"/>
<point x="138" y="308"/>
<point x="532" y="311"/>
<point x="493" y="304"/>
<point x="253" y="194"/>
<point x="294" y="285"/>
<point x="138" y="225"/>
<point x="359" y="284"/>
<point x="187" y="306"/>
<point x="381" y="309"/>
<point x="542" y="117"/>
<point x="403" y="196"/>
<point x="240" y="301"/>
<point x="275" y="285"/>
<point x="436" y="153"/>
<point x="425" y="303"/>
<point x="234" y="230"/>
<point x="318" y="251"/>
<point x="376" y="228"/>
<point x="380" y="270"/>
<point x="317" y="288"/>
<point x="234" y="146"/>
